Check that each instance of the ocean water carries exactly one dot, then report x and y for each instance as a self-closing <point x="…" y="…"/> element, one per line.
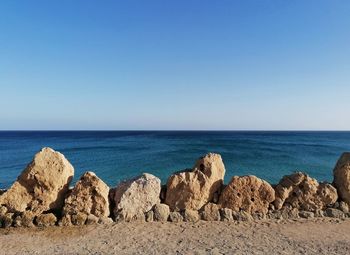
<point x="118" y="155"/>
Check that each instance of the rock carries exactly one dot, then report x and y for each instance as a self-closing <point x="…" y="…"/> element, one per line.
<point x="161" y="212"/>
<point x="344" y="207"/>
<point x="210" y="212"/>
<point x="91" y="219"/>
<point x="226" y="214"/>
<point x="26" y="219"/>
<point x="149" y="216"/>
<point x="6" y="220"/>
<point x="135" y="197"/>
<point x="306" y="215"/>
<point x="46" y="220"/>
<point x="79" y="219"/>
<point x="319" y="213"/>
<point x="247" y="193"/>
<point x="89" y="196"/>
<point x="242" y="216"/>
<point x="191" y="215"/>
<point x="334" y="213"/>
<point x="195" y="188"/>
<point x="341" y="174"/>
<point x="259" y="216"/>
<point x="300" y="191"/>
<point x="42" y="185"/>
<point x="3" y="210"/>
<point x="175" y="217"/>
<point x="105" y="221"/>
<point x="65" y="221"/>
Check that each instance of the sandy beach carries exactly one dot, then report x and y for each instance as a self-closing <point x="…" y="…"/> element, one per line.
<point x="312" y="236"/>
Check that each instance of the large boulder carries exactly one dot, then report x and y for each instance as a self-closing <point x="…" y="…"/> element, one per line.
<point x="135" y="197"/>
<point x="248" y="193"/>
<point x="42" y="185"/>
<point x="195" y="188"/>
<point x="89" y="196"/>
<point x="305" y="193"/>
<point x="341" y="174"/>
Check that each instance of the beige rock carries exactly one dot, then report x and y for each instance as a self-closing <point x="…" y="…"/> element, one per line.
<point x="161" y="212"/>
<point x="136" y="197"/>
<point x="190" y="215"/>
<point x="341" y="174"/>
<point x="242" y="216"/>
<point x="226" y="214"/>
<point x="195" y="188"/>
<point x="89" y="196"/>
<point x="78" y="219"/>
<point x="65" y="221"/>
<point x="105" y="221"/>
<point x="175" y="217"/>
<point x="6" y="220"/>
<point x="149" y="216"/>
<point x="46" y="220"/>
<point x="300" y="191"/>
<point x="247" y="193"/>
<point x="42" y="186"/>
<point x="210" y="212"/>
<point x="91" y="219"/>
<point x="26" y="219"/>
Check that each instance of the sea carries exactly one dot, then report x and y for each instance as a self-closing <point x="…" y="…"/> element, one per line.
<point x="118" y="155"/>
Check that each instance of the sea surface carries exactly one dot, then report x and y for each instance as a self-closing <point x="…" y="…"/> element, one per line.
<point x="118" y="155"/>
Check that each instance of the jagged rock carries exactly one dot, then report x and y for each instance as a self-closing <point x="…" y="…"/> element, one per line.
<point x="210" y="212"/>
<point x="175" y="217"/>
<point x="319" y="213"/>
<point x="226" y="214"/>
<point x="247" y="193"/>
<point x="79" y="219"/>
<point x="42" y="185"/>
<point x="6" y="220"/>
<point x="242" y="216"/>
<point x="149" y="216"/>
<point x="89" y="196"/>
<point x="300" y="191"/>
<point x="191" y="215"/>
<point x="91" y="219"/>
<point x="135" y="197"/>
<point x="65" y="221"/>
<point x="259" y="216"/>
<point x="3" y="210"/>
<point x="306" y="215"/>
<point x="194" y="188"/>
<point x="341" y="174"/>
<point x="46" y="220"/>
<point x="161" y="212"/>
<point x="334" y="213"/>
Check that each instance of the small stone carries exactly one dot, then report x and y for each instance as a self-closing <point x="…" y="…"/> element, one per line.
<point x="344" y="207"/>
<point x="226" y="214"/>
<point x="149" y="216"/>
<point x="65" y="221"/>
<point x="91" y="219"/>
<point x="24" y="220"/>
<point x="210" y="212"/>
<point x="191" y="215"/>
<point x="3" y="210"/>
<point x="242" y="216"/>
<point x="161" y="212"/>
<point x="6" y="220"/>
<point x="79" y="219"/>
<point x="334" y="213"/>
<point x="46" y="220"/>
<point x="306" y="214"/>
<point x="259" y="216"/>
<point x="175" y="217"/>
<point x="105" y="221"/>
<point x="319" y="213"/>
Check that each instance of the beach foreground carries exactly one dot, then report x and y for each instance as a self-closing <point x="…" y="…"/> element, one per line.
<point x="311" y="236"/>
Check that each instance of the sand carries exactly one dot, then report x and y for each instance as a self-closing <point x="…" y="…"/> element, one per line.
<point x="313" y="236"/>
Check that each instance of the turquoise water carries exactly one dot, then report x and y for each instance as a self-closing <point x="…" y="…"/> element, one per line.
<point x="117" y="155"/>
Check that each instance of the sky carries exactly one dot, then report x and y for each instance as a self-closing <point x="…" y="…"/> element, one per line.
<point x="174" y="65"/>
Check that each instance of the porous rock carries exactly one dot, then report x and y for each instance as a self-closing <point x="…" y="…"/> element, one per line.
<point x="46" y="220"/>
<point x="300" y="191"/>
<point x="42" y="185"/>
<point x="194" y="188"/>
<point x="190" y="215"/>
<point x="78" y="219"/>
<point x="248" y="193"/>
<point x="91" y="219"/>
<point x="133" y="198"/>
<point x="89" y="196"/>
<point x="175" y="217"/>
<point x="226" y="214"/>
<point x="241" y="216"/>
<point x="341" y="174"/>
<point x="334" y="213"/>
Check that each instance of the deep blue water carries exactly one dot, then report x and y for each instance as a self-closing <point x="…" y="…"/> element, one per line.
<point x="117" y="155"/>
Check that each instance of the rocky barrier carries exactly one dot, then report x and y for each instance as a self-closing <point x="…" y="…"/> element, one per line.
<point x="41" y="195"/>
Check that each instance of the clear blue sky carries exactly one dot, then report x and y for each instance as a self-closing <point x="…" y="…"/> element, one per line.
<point x="174" y="64"/>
